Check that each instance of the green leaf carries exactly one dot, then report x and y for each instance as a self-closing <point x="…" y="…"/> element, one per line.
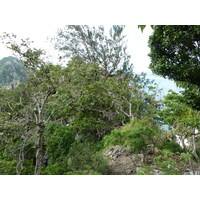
<point x="142" y="27"/>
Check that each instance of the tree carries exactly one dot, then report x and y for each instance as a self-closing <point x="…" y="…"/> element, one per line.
<point x="175" y="52"/>
<point x="94" y="45"/>
<point x="42" y="83"/>
<point x="96" y="105"/>
<point x="182" y="118"/>
<point x="190" y="94"/>
<point x="142" y="27"/>
<point x="16" y="135"/>
<point x="124" y="93"/>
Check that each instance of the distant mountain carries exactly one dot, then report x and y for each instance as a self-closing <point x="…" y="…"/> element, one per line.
<point x="11" y="72"/>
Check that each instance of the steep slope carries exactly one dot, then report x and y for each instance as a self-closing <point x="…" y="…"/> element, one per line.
<point x="11" y="72"/>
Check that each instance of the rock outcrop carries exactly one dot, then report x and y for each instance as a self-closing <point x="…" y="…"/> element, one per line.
<point x="121" y="161"/>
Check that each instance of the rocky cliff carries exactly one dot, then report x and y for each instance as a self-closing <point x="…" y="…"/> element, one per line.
<point x="11" y="72"/>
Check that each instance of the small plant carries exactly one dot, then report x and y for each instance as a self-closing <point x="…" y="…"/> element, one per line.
<point x="167" y="164"/>
<point x="116" y="137"/>
<point x="186" y="156"/>
<point x="171" y="146"/>
<point x="136" y="136"/>
<point x="84" y="172"/>
<point x="144" y="171"/>
<point x="84" y="154"/>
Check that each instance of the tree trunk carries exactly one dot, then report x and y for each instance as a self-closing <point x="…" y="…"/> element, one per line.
<point x="182" y="140"/>
<point x="40" y="154"/>
<point x="194" y="144"/>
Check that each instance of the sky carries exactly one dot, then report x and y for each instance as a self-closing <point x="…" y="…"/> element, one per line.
<point x="138" y="47"/>
<point x="41" y="34"/>
<point x="41" y="19"/>
<point x="40" y="29"/>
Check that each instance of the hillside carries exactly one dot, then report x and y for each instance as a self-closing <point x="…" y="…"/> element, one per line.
<point x="93" y="115"/>
<point x="11" y="72"/>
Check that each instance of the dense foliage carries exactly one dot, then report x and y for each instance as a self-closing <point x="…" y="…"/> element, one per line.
<point x="175" y="52"/>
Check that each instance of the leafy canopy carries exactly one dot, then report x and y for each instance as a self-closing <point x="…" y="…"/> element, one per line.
<point x="175" y="52"/>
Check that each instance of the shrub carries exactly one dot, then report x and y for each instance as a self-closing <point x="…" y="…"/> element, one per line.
<point x="137" y="136"/>
<point x="144" y="171"/>
<point x="138" y="139"/>
<point x="84" y="155"/>
<point x="58" y="140"/>
<point x="171" y="146"/>
<point x="58" y="168"/>
<point x="82" y="173"/>
<point x="8" y="167"/>
<point x="167" y="163"/>
<point x="116" y="137"/>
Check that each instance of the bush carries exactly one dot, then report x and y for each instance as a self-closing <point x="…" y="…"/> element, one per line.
<point x="144" y="171"/>
<point x="8" y="167"/>
<point x="116" y="137"/>
<point x="58" y="168"/>
<point x="82" y="173"/>
<point x="138" y="139"/>
<point x="84" y="155"/>
<point x="137" y="136"/>
<point x="58" y="140"/>
<point x="171" y="146"/>
<point x="167" y="163"/>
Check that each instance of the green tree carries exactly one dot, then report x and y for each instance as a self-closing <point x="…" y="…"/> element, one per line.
<point x="92" y="44"/>
<point x="175" y="52"/>
<point x="42" y="118"/>
<point x="96" y="105"/>
<point x="16" y="142"/>
<point x="182" y="118"/>
<point x="42" y="83"/>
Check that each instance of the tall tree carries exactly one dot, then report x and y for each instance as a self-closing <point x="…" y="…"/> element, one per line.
<point x="92" y="44"/>
<point x="175" y="52"/>
<point x="42" y="83"/>
<point x="81" y="99"/>
<point x="96" y="105"/>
